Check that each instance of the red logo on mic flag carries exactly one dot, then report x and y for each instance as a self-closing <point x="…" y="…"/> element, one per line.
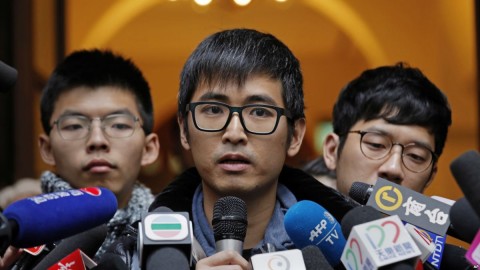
<point x="166" y="226"/>
<point x="76" y="260"/>
<point x="94" y="191"/>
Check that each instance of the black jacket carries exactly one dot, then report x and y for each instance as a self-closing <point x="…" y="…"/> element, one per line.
<point x="178" y="196"/>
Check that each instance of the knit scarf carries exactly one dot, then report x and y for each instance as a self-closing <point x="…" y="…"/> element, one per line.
<point x="140" y="200"/>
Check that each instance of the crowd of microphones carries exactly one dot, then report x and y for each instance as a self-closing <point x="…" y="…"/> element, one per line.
<point x="391" y="228"/>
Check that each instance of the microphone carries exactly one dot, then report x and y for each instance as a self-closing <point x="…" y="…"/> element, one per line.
<point x="88" y="242"/>
<point x="8" y="77"/>
<point x="381" y="242"/>
<point x="454" y="258"/>
<point x="466" y="171"/>
<point x="286" y="259"/>
<point x="229" y="224"/>
<point x="165" y="240"/>
<point x="314" y="259"/>
<point x="51" y="217"/>
<point x="464" y="220"/>
<point x="410" y="206"/>
<point x="308" y="223"/>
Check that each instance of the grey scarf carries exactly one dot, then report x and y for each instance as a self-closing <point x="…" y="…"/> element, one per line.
<point x="141" y="198"/>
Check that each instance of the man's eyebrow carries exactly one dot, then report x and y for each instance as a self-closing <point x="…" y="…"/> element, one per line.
<point x="76" y="113"/>
<point x="214" y="96"/>
<point x="262" y="99"/>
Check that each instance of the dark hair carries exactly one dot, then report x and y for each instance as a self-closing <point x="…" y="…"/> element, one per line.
<point x="93" y="69"/>
<point x="234" y="55"/>
<point x="398" y="94"/>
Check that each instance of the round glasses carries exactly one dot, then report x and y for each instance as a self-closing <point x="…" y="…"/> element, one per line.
<point x="76" y="127"/>
<point x="255" y="119"/>
<point x="416" y="158"/>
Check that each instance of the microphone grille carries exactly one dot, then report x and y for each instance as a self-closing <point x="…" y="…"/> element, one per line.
<point x="359" y="192"/>
<point x="230" y="219"/>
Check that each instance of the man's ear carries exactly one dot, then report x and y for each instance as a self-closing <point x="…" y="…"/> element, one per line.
<point x="330" y="150"/>
<point x="297" y="137"/>
<point x="46" y="149"/>
<point x="183" y="132"/>
<point x="151" y="149"/>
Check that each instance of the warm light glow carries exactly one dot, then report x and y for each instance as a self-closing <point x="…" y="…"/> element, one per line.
<point x="203" y="2"/>
<point x="281" y="1"/>
<point x="242" y="2"/>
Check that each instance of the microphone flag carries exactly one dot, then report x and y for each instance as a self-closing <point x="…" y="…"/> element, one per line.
<point x="410" y="206"/>
<point x="76" y="260"/>
<point x="378" y="243"/>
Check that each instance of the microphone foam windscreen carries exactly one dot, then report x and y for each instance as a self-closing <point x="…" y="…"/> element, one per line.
<point x="466" y="170"/>
<point x="314" y="259"/>
<point x="169" y="258"/>
<point x="110" y="261"/>
<point x="308" y="223"/>
<point x="454" y="258"/>
<point x="229" y="219"/>
<point x="359" y="192"/>
<point x="50" y="217"/>
<point x="464" y="220"/>
<point x="359" y="215"/>
<point x="89" y="242"/>
<point x="8" y="77"/>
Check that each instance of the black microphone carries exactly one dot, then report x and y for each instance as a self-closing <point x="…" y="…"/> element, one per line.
<point x="8" y="77"/>
<point x="165" y="240"/>
<point x="466" y="171"/>
<point x="314" y="259"/>
<point x="50" y="217"/>
<point x="88" y="242"/>
<point x="464" y="220"/>
<point x="454" y="258"/>
<point x="359" y="215"/>
<point x="229" y="224"/>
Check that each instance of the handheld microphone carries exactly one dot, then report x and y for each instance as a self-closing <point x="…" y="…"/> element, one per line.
<point x="464" y="220"/>
<point x="286" y="259"/>
<point x="110" y="261"/>
<point x="314" y="259"/>
<point x="378" y="243"/>
<point x="50" y="217"/>
<point x="466" y="171"/>
<point x="454" y="258"/>
<point x="8" y="77"/>
<point x="88" y="242"/>
<point x="165" y="239"/>
<point x="229" y="224"/>
<point x="410" y="206"/>
<point x="308" y="223"/>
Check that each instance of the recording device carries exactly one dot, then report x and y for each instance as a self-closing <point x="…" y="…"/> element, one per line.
<point x="229" y="224"/>
<point x="314" y="259"/>
<point x="464" y="219"/>
<point x="286" y="259"/>
<point x="308" y="223"/>
<point x="8" y="77"/>
<point x="466" y="171"/>
<point x="385" y="200"/>
<point x="47" y="218"/>
<point x="165" y="239"/>
<point x="377" y="243"/>
<point x="454" y="258"/>
<point x="88" y="242"/>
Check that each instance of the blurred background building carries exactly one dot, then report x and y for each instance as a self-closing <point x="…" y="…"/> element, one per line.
<point x="335" y="40"/>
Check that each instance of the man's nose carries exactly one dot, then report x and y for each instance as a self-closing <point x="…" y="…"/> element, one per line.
<point x="235" y="132"/>
<point x="392" y="167"/>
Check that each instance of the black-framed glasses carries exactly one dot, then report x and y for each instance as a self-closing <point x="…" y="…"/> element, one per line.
<point x="375" y="145"/>
<point x="255" y="118"/>
<point x="76" y="127"/>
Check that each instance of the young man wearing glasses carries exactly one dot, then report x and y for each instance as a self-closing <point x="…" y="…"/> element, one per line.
<point x="97" y="115"/>
<point x="390" y="122"/>
<point x="241" y="113"/>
